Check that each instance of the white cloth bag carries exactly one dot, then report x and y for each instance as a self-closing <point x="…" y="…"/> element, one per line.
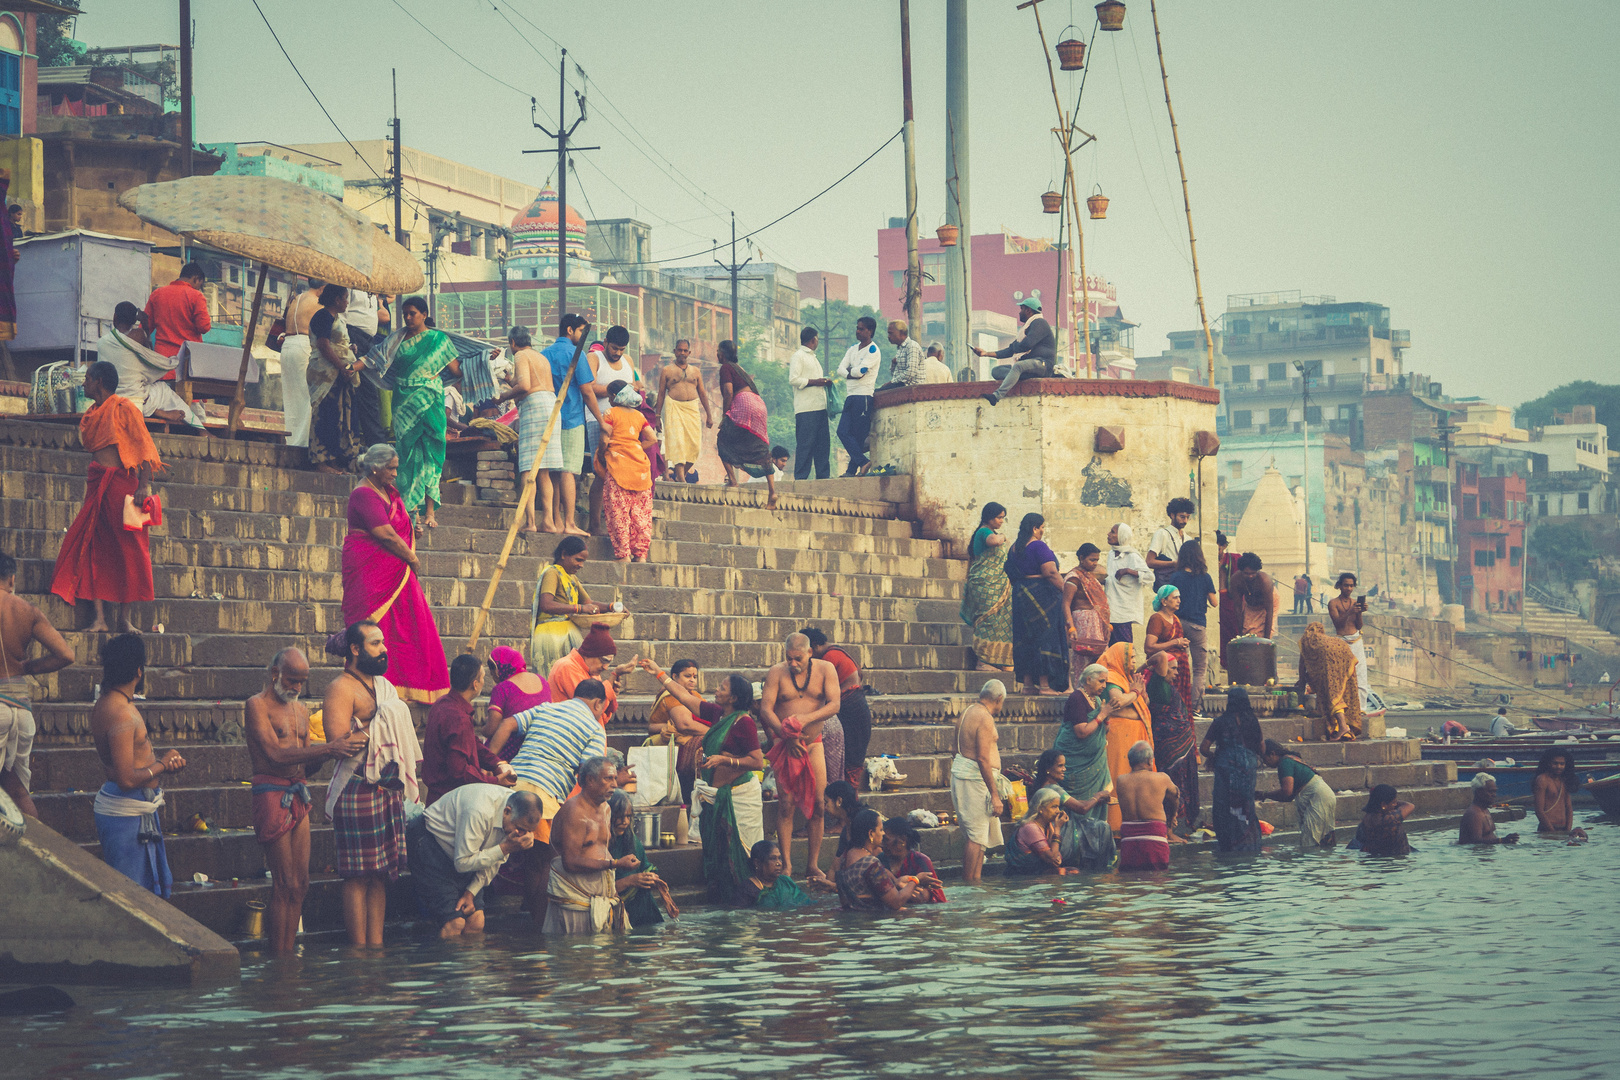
<point x="656" y="780"/>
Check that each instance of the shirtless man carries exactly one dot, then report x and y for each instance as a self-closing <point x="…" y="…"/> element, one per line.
<point x="1148" y="802"/>
<point x="295" y="348"/>
<point x="798" y="696"/>
<point x="583" y="870"/>
<point x="21" y="624"/>
<point x="1550" y="789"/>
<point x="277" y="731"/>
<point x="1478" y="827"/>
<point x="1346" y="612"/>
<point x="531" y="377"/>
<point x="975" y="771"/>
<point x="127" y="804"/>
<point x="681" y="382"/>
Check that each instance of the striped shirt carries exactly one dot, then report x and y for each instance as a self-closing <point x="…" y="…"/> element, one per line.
<point x="557" y="736"/>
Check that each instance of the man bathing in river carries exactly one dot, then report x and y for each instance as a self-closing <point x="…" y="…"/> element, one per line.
<point x="21" y="624"/>
<point x="583" y="897"/>
<point x="1477" y="825"/>
<point x="799" y="695"/>
<point x="126" y="809"/>
<point x="1148" y="801"/>
<point x="1555" y="776"/>
<point x="277" y="734"/>
<point x="976" y="777"/>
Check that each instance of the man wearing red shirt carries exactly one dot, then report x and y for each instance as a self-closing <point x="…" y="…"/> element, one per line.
<point x="451" y="753"/>
<point x="177" y="313"/>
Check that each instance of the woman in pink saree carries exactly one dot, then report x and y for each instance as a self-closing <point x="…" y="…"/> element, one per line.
<point x="382" y="580"/>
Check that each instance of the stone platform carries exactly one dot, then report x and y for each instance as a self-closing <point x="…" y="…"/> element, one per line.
<point x="249" y="560"/>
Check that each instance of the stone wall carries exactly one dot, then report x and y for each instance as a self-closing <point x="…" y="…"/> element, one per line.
<point x="1036" y="451"/>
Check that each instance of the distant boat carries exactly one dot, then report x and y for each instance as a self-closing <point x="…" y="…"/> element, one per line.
<point x="1587" y="753"/>
<point x="1606" y="793"/>
<point x="1568" y="723"/>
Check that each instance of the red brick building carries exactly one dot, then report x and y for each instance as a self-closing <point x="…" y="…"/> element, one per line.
<point x="1490" y="534"/>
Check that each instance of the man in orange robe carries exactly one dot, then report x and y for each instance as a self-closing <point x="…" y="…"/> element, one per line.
<point x="101" y="560"/>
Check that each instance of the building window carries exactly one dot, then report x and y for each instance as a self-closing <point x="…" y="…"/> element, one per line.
<point x="1278" y="418"/>
<point x="1541" y="505"/>
<point x="1469" y="507"/>
<point x="898" y="277"/>
<point x="1242" y="418"/>
<point x="1240" y="373"/>
<point x="1583" y="501"/>
<point x="1380" y="365"/>
<point x="1276" y="371"/>
<point x="1484" y="557"/>
<point x="1313" y="414"/>
<point x="1515" y="555"/>
<point x="11" y="47"/>
<point x="1236" y="469"/>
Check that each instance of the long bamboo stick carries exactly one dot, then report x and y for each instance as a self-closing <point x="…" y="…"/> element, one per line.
<point x="238" y="399"/>
<point x="1066" y="138"/>
<point x="526" y="498"/>
<point x="1186" y="199"/>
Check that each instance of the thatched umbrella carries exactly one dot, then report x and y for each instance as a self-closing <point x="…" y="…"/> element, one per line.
<point x="277" y="224"/>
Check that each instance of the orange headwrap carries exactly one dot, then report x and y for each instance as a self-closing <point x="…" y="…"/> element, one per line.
<point x="1119" y="659"/>
<point x="117" y="422"/>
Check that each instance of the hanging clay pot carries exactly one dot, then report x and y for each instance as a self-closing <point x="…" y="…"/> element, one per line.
<point x="947" y="235"/>
<point x="1111" y="15"/>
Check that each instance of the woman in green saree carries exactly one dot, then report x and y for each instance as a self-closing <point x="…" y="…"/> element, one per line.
<point x="419" y="416"/>
<point x="987" y="599"/>
<point x="767" y="887"/>
<point x="1082" y="746"/>
<point x="640" y="889"/>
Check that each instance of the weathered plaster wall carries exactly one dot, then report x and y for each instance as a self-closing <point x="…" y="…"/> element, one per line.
<point x="1035" y="452"/>
<point x="66" y="916"/>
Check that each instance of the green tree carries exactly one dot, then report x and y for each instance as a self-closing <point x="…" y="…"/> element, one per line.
<point x="1605" y="397"/>
<point x="1564" y="549"/>
<point x="772" y="380"/>
<point x="52" y="43"/>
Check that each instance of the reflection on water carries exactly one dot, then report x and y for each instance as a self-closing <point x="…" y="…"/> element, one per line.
<point x="1449" y="963"/>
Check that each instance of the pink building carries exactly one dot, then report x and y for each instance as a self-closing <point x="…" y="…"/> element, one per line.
<point x="1006" y="269"/>
<point x="812" y="282"/>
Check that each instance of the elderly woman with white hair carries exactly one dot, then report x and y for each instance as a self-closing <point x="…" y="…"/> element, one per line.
<point x="1035" y="846"/>
<point x="626" y="474"/>
<point x="382" y="580"/>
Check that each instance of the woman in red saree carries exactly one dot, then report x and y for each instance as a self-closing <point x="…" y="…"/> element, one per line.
<point x="1088" y="612"/>
<point x="743" y="441"/>
<point x="382" y="580"/>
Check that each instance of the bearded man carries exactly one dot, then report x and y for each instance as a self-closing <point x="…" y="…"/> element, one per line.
<point x="277" y="730"/>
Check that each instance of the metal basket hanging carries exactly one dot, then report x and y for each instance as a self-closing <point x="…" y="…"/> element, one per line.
<point x="1071" y="50"/>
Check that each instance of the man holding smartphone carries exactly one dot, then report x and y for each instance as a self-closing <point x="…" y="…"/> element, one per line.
<point x="1346" y="612"/>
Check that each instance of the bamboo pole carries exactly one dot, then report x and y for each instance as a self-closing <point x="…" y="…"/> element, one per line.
<point x="239" y="399"/>
<point x="1065" y="138"/>
<point x="1186" y="199"/>
<point x="526" y="497"/>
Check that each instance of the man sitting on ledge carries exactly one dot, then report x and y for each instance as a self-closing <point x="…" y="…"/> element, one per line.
<point x="1038" y="346"/>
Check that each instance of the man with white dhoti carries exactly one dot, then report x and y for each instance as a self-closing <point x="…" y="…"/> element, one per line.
<point x="679" y="401"/>
<point x="141" y="370"/>
<point x="1346" y="612"/>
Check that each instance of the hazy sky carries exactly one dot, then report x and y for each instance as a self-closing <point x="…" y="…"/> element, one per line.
<point x="1453" y="160"/>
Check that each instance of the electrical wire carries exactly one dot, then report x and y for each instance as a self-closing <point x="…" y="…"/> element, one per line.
<point x="311" y="89"/>
<point x="1147" y="186"/>
<point x="431" y="33"/>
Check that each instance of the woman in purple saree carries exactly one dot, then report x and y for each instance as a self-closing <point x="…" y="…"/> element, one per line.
<point x="381" y="580"/>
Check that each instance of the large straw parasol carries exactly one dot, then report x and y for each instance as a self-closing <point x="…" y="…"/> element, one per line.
<point x="277" y="224"/>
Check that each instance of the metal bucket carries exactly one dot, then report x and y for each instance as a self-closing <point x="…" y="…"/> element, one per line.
<point x="1251" y="661"/>
<point x="647" y="828"/>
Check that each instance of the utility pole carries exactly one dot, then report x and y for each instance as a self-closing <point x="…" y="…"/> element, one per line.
<point x="958" y="270"/>
<point x="1305" y="469"/>
<point x="826" y="321"/>
<point x="914" y="280"/>
<point x="732" y="274"/>
<point x="397" y="182"/>
<point x="188" y="136"/>
<point x="561" y="135"/>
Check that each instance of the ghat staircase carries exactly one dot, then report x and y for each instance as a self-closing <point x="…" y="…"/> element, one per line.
<point x="248" y="560"/>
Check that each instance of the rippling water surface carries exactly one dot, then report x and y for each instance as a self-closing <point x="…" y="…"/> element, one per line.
<point x="1450" y="963"/>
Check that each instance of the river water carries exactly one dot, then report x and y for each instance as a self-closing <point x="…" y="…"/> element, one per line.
<point x="1448" y="963"/>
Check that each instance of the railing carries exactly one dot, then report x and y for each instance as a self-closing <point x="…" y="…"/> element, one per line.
<point x="1547" y="600"/>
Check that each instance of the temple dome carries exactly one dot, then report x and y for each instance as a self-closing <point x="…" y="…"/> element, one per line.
<point x="1273" y="527"/>
<point x="534" y="231"/>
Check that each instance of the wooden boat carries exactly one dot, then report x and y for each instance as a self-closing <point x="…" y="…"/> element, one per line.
<point x="1605" y="792"/>
<point x="1512" y="781"/>
<point x="1568" y="723"/>
<point x="1586" y="753"/>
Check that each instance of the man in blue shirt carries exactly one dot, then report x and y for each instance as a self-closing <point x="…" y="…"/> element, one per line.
<point x="572" y="421"/>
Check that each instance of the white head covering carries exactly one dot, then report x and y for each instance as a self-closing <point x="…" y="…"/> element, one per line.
<point x="628" y="398"/>
<point x="1124" y="534"/>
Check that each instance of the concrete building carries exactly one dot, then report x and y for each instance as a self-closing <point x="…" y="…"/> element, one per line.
<point x="767" y="303"/>
<point x="1276" y="346"/>
<point x="814" y="285"/>
<point x="1492" y="511"/>
<point x="1574" y="442"/>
